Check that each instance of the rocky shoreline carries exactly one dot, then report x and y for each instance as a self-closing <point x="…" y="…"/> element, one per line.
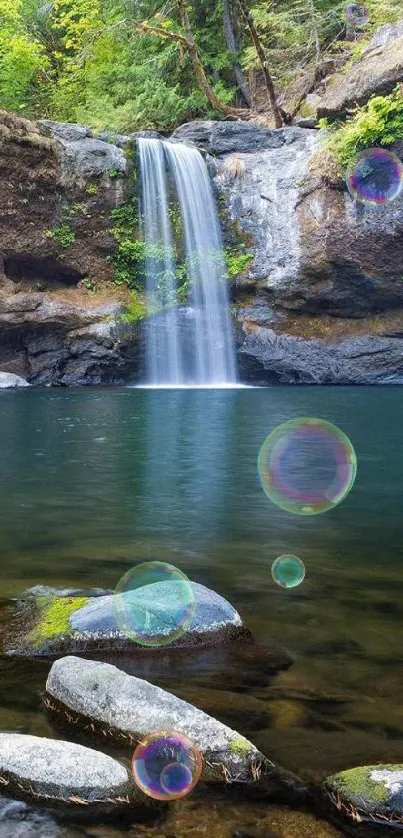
<point x="101" y="710"/>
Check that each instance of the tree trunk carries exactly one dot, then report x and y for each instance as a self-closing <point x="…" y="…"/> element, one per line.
<point x="233" y="49"/>
<point x="263" y="61"/>
<point x="199" y="69"/>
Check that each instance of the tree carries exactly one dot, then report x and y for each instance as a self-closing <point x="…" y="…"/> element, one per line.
<point x="23" y="61"/>
<point x="234" y="50"/>
<point x="278" y="120"/>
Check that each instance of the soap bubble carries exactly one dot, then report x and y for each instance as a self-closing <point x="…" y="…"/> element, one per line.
<point x="166" y="765"/>
<point x="375" y="177"/>
<point x="307" y="466"/>
<point x="154" y="604"/>
<point x="356" y="14"/>
<point x="288" y="571"/>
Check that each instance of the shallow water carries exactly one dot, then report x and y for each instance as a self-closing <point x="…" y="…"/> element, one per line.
<point x="94" y="481"/>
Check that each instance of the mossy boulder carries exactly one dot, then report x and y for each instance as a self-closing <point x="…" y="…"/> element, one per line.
<point x="368" y="799"/>
<point x="54" y="625"/>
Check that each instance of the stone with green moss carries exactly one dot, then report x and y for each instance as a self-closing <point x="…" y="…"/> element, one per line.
<point x="371" y="791"/>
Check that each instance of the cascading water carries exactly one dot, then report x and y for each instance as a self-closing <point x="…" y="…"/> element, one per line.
<point x="193" y="344"/>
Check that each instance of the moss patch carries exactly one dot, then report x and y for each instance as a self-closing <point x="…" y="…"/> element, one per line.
<point x="53" y="619"/>
<point x="357" y="783"/>
<point x="239" y="746"/>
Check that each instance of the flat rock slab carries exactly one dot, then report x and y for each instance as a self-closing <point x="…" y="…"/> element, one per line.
<point x="104" y="700"/>
<point x="64" y="776"/>
<point x="51" y="625"/>
<point x="368" y="798"/>
<point x="10" y="380"/>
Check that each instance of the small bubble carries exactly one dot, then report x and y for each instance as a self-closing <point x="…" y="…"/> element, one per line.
<point x="288" y="571"/>
<point x="356" y="14"/>
<point x="166" y="765"/>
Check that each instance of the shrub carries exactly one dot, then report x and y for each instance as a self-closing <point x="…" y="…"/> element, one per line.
<point x="378" y="123"/>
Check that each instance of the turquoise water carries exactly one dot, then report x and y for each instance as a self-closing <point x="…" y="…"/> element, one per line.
<point x="94" y="481"/>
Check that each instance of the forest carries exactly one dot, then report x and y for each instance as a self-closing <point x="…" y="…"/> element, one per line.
<point x="125" y="65"/>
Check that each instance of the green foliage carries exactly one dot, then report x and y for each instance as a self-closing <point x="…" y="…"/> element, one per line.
<point x="92" y="189"/>
<point x="129" y="258"/>
<point x="63" y="234"/>
<point x="23" y="59"/>
<point x="90" y="285"/>
<point x="135" y="310"/>
<point x="237" y="262"/>
<point x="113" y="173"/>
<point x="378" y="123"/>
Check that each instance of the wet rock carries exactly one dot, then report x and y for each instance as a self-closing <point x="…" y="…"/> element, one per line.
<point x="101" y="698"/>
<point x="368" y="799"/>
<point x="378" y="70"/>
<point x="64" y="776"/>
<point x="53" y="341"/>
<point x="8" y="379"/>
<point x="266" y="357"/>
<point x="57" y="625"/>
<point x="219" y="138"/>
<point x="18" y="820"/>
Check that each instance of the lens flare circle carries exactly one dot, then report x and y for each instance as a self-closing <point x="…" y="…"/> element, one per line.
<point x="375" y="177"/>
<point x="307" y="466"/>
<point x="356" y="14"/>
<point x="166" y="765"/>
<point x="154" y="604"/>
<point x="288" y="571"/>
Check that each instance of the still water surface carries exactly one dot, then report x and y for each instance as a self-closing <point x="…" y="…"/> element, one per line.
<point x="95" y="481"/>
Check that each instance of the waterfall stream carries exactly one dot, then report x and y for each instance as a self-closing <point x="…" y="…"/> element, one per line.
<point x="187" y="343"/>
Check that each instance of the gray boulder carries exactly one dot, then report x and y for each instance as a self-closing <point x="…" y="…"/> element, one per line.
<point x="377" y="72"/>
<point x="218" y="138"/>
<point x="83" y="154"/>
<point x="127" y="708"/>
<point x="8" y="380"/>
<point x="63" y="775"/>
<point x="367" y="801"/>
<point x="56" y="625"/>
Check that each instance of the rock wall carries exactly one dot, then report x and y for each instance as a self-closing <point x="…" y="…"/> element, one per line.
<point x="320" y="302"/>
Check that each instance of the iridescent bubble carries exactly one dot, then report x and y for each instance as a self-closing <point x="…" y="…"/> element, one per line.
<point x="166" y="765"/>
<point x="154" y="604"/>
<point x="307" y="466"/>
<point x="375" y="177"/>
<point x="356" y="14"/>
<point x="288" y="571"/>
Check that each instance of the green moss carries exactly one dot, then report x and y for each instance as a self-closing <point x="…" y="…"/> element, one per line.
<point x="378" y="123"/>
<point x="135" y="310"/>
<point x="239" y="746"/>
<point x="53" y="619"/>
<point x="92" y="189"/>
<point x="63" y="234"/>
<point x="357" y="783"/>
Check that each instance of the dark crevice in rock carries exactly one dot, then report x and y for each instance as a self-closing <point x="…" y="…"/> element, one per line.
<point x="20" y="266"/>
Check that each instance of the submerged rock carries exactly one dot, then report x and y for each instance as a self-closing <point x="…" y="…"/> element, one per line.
<point x="369" y="799"/>
<point x="65" y="776"/>
<point x="102" y="699"/>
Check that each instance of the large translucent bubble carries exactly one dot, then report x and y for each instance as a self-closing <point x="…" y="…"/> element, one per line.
<point x="154" y="603"/>
<point x="307" y="466"/>
<point x="375" y="177"/>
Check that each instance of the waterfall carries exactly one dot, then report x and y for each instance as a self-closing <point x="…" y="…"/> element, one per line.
<point x="192" y="343"/>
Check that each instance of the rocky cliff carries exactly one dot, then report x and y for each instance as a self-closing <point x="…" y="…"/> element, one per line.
<point x="321" y="300"/>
